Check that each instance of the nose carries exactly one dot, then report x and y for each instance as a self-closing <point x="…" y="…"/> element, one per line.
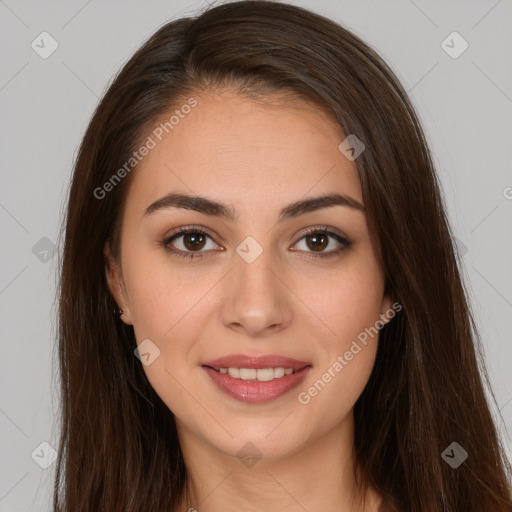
<point x="255" y="298"/>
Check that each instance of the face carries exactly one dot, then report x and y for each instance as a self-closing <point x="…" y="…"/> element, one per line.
<point x="264" y="285"/>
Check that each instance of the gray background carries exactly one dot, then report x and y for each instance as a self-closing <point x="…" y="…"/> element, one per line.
<point x="465" y="104"/>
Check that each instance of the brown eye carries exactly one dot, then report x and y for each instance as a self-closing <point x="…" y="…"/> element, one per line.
<point x="188" y="243"/>
<point x="194" y="241"/>
<point x="318" y="241"/>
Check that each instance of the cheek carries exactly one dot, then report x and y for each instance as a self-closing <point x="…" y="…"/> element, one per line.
<point x="332" y="392"/>
<point x="168" y="306"/>
<point x="166" y="309"/>
<point x="347" y="357"/>
<point x="345" y="303"/>
<point x="163" y="299"/>
<point x="348" y="308"/>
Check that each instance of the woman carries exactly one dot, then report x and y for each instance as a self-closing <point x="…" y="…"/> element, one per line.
<point x="255" y="201"/>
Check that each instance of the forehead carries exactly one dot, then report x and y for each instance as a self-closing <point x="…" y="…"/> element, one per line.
<point x="243" y="152"/>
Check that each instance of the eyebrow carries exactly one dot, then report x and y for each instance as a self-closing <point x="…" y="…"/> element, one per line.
<point x="217" y="209"/>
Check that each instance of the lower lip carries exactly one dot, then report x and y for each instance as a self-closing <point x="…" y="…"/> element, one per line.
<point x="254" y="391"/>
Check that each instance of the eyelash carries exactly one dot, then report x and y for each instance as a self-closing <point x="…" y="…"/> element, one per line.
<point x="345" y="244"/>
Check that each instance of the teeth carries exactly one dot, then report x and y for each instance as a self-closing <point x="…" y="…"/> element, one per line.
<point x="234" y="372"/>
<point x="261" y="374"/>
<point x="279" y="372"/>
<point x="248" y="373"/>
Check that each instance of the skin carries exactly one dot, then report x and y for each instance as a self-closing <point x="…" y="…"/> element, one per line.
<point x="258" y="158"/>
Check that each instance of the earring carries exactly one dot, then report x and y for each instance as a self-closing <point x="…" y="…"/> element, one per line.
<point x="118" y="312"/>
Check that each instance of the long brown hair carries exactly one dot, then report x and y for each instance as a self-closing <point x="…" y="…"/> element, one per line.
<point x="119" y="448"/>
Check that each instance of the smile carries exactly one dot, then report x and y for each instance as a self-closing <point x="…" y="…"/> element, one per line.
<point x="256" y="379"/>
<point x="260" y="374"/>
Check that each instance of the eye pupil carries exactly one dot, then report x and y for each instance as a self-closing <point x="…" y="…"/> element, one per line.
<point x="317" y="244"/>
<point x="197" y="241"/>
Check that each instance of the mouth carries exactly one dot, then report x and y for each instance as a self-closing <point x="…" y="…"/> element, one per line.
<point x="256" y="379"/>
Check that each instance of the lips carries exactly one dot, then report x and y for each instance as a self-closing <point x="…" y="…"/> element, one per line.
<point x="256" y="391"/>
<point x="268" y="361"/>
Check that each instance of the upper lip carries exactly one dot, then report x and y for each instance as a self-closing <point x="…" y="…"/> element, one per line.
<point x="265" y="361"/>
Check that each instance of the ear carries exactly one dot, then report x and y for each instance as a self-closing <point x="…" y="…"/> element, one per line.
<point x="115" y="284"/>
